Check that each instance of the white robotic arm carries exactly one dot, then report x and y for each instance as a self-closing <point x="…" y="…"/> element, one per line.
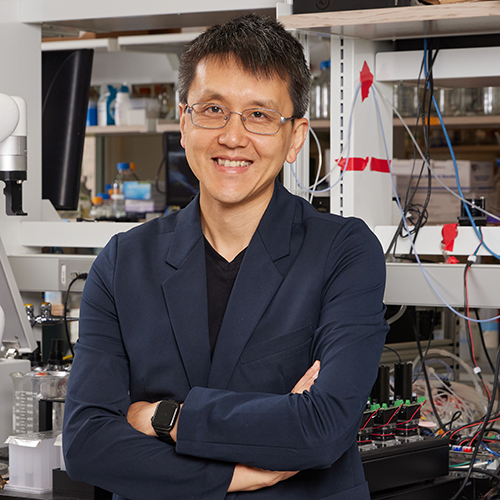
<point x="13" y="119"/>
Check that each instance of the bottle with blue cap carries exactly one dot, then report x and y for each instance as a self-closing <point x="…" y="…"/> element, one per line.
<point x="116" y="193"/>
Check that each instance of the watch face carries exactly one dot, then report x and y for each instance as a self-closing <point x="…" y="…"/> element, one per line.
<point x="165" y="414"/>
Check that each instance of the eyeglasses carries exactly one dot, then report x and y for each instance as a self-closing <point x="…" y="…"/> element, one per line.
<point x="256" y="120"/>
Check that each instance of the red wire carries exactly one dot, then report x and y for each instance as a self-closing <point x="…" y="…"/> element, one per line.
<point x="470" y="331"/>
<point x="472" y="425"/>
<point x="411" y="418"/>
<point x="366" y="423"/>
<point x="389" y="421"/>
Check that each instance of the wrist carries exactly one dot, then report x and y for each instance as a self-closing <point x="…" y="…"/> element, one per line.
<point x="164" y="420"/>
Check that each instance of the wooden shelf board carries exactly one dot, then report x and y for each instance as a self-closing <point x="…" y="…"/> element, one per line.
<point x="403" y="22"/>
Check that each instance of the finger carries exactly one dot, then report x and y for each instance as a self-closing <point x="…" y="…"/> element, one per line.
<point x="307" y="380"/>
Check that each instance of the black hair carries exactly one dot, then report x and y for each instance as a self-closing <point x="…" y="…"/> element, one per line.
<point x="261" y="46"/>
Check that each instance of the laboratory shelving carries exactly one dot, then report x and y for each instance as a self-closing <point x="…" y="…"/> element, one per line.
<point x="419" y="22"/>
<point x="403" y="22"/>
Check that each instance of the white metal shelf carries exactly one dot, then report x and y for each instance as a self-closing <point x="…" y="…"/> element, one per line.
<point x="478" y="67"/>
<point x="71" y="234"/>
<point x="98" y="44"/>
<point x="170" y="43"/>
<point x="479" y="121"/>
<point x="127" y="15"/>
<point x="430" y="238"/>
<point x="403" y="22"/>
<point x="167" y="43"/>
<point x="406" y="284"/>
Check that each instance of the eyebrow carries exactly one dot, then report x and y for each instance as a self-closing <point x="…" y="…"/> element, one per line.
<point x="210" y="96"/>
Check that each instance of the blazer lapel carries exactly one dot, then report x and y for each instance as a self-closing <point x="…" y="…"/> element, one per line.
<point x="258" y="280"/>
<point x="185" y="293"/>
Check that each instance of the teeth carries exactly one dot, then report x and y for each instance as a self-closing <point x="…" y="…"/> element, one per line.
<point x="229" y="163"/>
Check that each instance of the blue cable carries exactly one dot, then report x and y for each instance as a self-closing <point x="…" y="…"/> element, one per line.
<point x="455" y="166"/>
<point x="490" y="450"/>
<point x="424" y="272"/>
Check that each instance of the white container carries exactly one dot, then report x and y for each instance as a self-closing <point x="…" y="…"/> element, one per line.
<point x="122" y="106"/>
<point x="32" y="457"/>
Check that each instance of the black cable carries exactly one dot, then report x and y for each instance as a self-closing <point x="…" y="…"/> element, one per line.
<point x="469" y="330"/>
<point x="429" y="87"/>
<point x="454" y="418"/>
<point x="394" y="351"/>
<point x="426" y="375"/>
<point x="82" y="276"/>
<point x="486" y="472"/>
<point x="422" y="215"/>
<point x="469" y="333"/>
<point x="483" y="429"/>
<point x="483" y="343"/>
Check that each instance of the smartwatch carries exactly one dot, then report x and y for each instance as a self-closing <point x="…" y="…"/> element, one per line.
<point x="164" y="419"/>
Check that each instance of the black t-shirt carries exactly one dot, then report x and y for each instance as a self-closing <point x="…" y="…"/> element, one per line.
<point x="221" y="275"/>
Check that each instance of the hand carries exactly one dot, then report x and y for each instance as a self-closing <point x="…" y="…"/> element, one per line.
<point x="308" y="379"/>
<point x="247" y="478"/>
<point x="139" y="416"/>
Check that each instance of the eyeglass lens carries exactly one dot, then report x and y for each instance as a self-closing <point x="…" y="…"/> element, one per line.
<point x="256" y="120"/>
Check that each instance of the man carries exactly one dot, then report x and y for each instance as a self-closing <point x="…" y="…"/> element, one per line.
<point x="228" y="350"/>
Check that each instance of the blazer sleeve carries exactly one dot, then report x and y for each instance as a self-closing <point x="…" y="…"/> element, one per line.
<point x="100" y="447"/>
<point x="314" y="429"/>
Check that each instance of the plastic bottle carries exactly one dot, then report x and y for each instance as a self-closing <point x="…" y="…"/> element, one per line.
<point x="106" y="106"/>
<point x="106" y="211"/>
<point x="320" y="98"/>
<point x="84" y="200"/>
<point x="325" y="89"/>
<point x="132" y="173"/>
<point x="92" y="113"/>
<point x="122" y="105"/>
<point x="96" y="210"/>
<point x="117" y="196"/>
<point x="315" y="104"/>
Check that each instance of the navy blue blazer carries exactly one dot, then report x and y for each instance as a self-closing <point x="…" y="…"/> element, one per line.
<point x="310" y="287"/>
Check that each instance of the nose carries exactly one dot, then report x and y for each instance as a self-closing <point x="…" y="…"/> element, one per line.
<point x="234" y="133"/>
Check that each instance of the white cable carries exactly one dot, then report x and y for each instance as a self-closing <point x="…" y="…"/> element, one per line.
<point x="320" y="163"/>
<point x="427" y="162"/>
<point x="467" y="368"/>
<point x="405" y="223"/>
<point x="398" y="315"/>
<point x="307" y="189"/>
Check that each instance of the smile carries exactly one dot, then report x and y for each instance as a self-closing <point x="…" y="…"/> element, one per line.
<point x="232" y="163"/>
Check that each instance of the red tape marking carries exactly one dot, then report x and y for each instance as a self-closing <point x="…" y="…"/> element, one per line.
<point x="366" y="78"/>
<point x="449" y="233"/>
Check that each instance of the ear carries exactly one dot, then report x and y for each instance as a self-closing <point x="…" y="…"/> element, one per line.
<point x="300" y="128"/>
<point x="182" y="117"/>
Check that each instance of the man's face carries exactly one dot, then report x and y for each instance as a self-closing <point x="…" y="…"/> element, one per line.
<point x="234" y="166"/>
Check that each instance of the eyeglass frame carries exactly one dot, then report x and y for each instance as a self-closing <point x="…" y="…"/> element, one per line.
<point x="283" y="119"/>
